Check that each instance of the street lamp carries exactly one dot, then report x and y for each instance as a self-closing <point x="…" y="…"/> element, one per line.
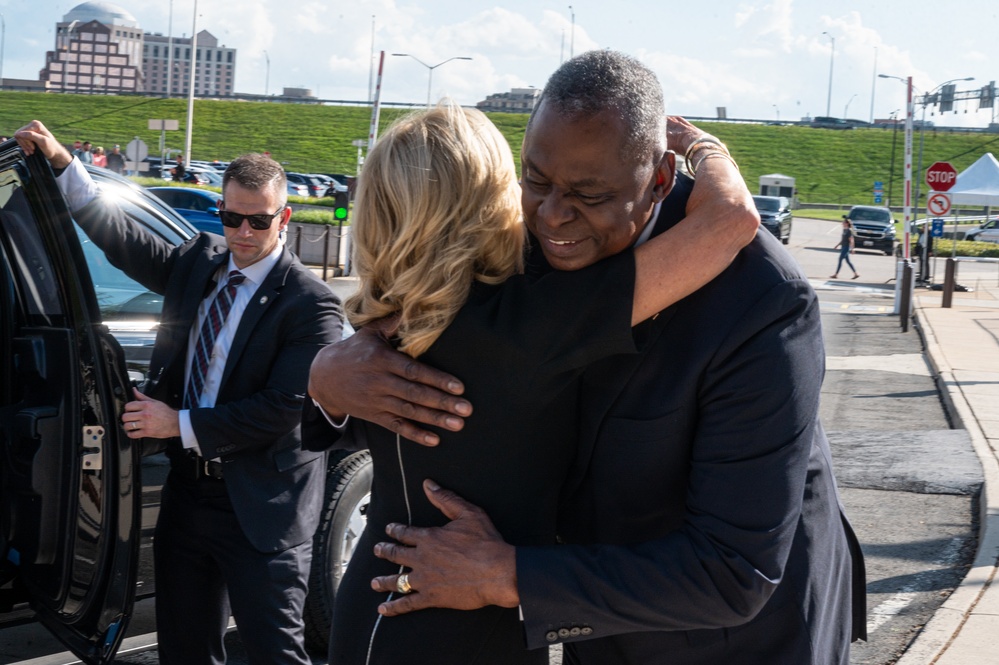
<point x="846" y="109"/>
<point x="777" y="110"/>
<point x="572" y="32"/>
<point x="267" y="76"/>
<point x="431" y="68"/>
<point x="832" y="56"/>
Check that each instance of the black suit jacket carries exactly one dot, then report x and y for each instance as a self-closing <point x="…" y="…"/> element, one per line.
<point x="275" y="486"/>
<point x="702" y="522"/>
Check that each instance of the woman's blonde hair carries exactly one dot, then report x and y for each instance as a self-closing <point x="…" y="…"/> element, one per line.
<point x="438" y="206"/>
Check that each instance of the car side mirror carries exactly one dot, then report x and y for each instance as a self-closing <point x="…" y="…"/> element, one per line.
<point x="213" y="210"/>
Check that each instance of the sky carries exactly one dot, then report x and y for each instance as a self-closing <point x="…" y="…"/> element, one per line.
<point x="759" y="60"/>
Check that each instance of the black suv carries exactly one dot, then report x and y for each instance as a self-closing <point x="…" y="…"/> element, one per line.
<point x="76" y="496"/>
<point x="874" y="228"/>
<point x="775" y="215"/>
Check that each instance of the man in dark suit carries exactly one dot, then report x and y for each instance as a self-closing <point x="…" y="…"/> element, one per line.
<point x="242" y="320"/>
<point x="702" y="524"/>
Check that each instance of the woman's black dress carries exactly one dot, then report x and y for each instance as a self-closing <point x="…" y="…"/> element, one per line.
<point x="520" y="348"/>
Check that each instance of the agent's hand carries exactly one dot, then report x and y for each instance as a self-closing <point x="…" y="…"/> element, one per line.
<point x="365" y="377"/>
<point x="36" y="135"/>
<point x="150" y="418"/>
<point x="464" y="565"/>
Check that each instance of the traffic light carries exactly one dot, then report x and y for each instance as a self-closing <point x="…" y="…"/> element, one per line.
<point x="341" y="206"/>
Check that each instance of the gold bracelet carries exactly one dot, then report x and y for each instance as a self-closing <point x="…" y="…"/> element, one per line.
<point x="703" y="142"/>
<point x="709" y="155"/>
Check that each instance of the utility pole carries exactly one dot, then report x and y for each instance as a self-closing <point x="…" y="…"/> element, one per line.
<point x="832" y="57"/>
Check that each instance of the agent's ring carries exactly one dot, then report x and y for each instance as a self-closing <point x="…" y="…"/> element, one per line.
<point x="402" y="584"/>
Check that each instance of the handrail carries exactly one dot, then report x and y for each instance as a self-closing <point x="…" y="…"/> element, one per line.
<point x="950" y="275"/>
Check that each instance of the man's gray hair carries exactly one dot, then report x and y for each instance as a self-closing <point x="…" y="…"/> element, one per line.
<point x="598" y="81"/>
<point x="256" y="172"/>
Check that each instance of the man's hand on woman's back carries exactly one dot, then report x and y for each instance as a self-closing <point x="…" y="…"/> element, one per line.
<point x="363" y="376"/>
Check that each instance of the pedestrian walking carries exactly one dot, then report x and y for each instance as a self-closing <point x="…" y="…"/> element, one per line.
<point x="846" y="247"/>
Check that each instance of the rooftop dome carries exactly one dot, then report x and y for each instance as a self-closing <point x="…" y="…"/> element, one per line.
<point x="103" y="12"/>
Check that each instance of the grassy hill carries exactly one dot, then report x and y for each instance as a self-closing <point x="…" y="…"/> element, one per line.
<point x="830" y="166"/>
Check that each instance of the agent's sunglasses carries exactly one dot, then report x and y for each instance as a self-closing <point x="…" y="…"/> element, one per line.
<point x="257" y="222"/>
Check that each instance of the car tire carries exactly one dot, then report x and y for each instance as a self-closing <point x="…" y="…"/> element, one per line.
<point x="348" y="490"/>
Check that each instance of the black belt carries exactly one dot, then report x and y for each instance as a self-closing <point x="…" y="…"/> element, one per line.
<point x="195" y="467"/>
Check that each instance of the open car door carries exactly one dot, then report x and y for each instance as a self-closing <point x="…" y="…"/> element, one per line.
<point x="69" y="483"/>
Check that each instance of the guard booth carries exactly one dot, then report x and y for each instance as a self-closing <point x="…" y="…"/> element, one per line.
<point x="777" y="184"/>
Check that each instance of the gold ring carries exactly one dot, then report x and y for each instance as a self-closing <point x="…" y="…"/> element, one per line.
<point x="402" y="584"/>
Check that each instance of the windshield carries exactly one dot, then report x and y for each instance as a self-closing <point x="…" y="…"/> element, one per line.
<point x="767" y="203"/>
<point x="870" y="215"/>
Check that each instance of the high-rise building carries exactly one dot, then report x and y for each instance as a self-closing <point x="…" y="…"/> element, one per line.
<point x="215" y="66"/>
<point x="97" y="50"/>
<point x="101" y="49"/>
<point x="518" y="100"/>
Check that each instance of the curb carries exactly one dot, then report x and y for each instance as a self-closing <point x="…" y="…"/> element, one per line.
<point x="942" y="630"/>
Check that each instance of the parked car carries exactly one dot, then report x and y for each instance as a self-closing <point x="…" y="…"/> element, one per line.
<point x="987" y="232"/>
<point x="198" y="206"/>
<point x="315" y="186"/>
<point x="333" y="186"/>
<point x="775" y="215"/>
<point x="75" y="526"/>
<point x="874" y="228"/>
<point x="826" y="122"/>
<point x="190" y="176"/>
<point x="297" y="189"/>
<point x="210" y="175"/>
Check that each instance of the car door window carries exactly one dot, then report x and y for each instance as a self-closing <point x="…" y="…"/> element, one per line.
<point x="32" y="271"/>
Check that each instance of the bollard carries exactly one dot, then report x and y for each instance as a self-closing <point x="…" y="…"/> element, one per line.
<point x="950" y="276"/>
<point x="905" y="304"/>
<point x="298" y="241"/>
<point x="326" y="251"/>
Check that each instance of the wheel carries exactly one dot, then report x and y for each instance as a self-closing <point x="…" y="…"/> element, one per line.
<point x="348" y="492"/>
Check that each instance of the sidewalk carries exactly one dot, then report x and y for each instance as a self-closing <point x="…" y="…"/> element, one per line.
<point x="962" y="344"/>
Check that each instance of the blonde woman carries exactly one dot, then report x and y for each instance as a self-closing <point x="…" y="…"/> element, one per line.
<point x="100" y="159"/>
<point x="439" y="245"/>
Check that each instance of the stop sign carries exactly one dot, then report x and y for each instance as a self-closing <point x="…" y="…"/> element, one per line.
<point x="941" y="176"/>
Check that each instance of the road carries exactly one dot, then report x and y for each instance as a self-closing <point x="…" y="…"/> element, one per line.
<point x="908" y="481"/>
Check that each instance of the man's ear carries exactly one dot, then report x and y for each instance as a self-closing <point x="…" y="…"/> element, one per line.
<point x="665" y="176"/>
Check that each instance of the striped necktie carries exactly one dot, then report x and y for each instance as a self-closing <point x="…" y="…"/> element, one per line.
<point x="213" y="323"/>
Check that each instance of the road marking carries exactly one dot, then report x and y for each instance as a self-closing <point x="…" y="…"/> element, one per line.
<point x="894" y="605"/>
<point x="900" y="363"/>
<point x="849" y="308"/>
<point x="887" y="291"/>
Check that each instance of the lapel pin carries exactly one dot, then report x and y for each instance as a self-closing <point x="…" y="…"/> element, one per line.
<point x="263" y="300"/>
